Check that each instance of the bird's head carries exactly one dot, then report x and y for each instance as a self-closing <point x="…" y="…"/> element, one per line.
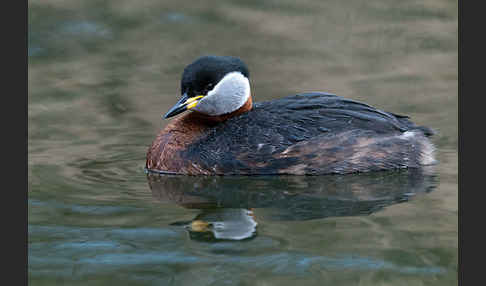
<point x="213" y="86"/>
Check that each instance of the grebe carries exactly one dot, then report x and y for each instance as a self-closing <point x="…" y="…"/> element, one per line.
<point x="305" y="134"/>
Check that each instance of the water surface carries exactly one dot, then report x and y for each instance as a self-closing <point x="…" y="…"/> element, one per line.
<point x="101" y="74"/>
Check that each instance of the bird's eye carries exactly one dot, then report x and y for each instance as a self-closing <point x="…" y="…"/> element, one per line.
<point x="207" y="88"/>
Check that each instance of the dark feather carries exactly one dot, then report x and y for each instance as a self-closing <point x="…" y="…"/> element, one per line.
<point x="319" y="128"/>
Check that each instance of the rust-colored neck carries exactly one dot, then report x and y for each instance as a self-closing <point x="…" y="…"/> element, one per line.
<point x="164" y="154"/>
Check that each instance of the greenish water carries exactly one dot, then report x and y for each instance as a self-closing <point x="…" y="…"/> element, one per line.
<point x="101" y="74"/>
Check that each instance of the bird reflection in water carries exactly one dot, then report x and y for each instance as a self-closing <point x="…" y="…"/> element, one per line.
<point x="221" y="224"/>
<point x="231" y="205"/>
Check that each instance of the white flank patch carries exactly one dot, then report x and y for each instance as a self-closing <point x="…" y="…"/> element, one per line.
<point x="227" y="96"/>
<point x="408" y="135"/>
<point x="428" y="153"/>
<point x="427" y="149"/>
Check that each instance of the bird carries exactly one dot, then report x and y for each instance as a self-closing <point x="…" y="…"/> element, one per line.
<point x="217" y="129"/>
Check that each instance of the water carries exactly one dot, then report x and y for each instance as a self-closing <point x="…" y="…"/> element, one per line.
<point x="101" y="74"/>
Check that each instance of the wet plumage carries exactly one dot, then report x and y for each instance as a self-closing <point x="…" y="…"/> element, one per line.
<point x="304" y="134"/>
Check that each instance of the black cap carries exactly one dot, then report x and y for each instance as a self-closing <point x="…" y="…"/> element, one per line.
<point x="204" y="73"/>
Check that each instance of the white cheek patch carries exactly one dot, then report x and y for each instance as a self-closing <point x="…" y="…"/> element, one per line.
<point x="228" y="95"/>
